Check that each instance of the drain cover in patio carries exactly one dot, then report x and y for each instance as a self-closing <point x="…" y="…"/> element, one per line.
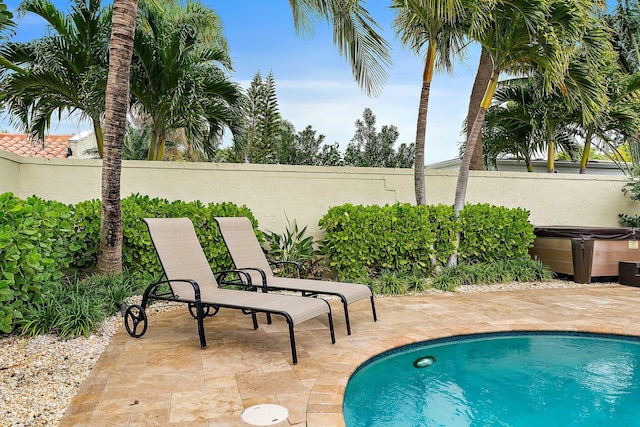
<point x="265" y="415"/>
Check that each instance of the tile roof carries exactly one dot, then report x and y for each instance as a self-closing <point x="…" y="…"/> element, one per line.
<point x="55" y="146"/>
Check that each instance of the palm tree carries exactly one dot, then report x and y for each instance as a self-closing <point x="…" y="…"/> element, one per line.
<point x="524" y="121"/>
<point x="619" y="121"/>
<point x="6" y="29"/>
<point x="115" y="124"/>
<point x="625" y="21"/>
<point x="355" y="37"/>
<point x="176" y="78"/>
<point x="521" y="35"/>
<point x="63" y="71"/>
<point x="6" y="18"/>
<point x="435" y="24"/>
<point x="480" y="83"/>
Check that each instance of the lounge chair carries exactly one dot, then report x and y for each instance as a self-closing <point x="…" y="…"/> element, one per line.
<point x="190" y="280"/>
<point x="247" y="255"/>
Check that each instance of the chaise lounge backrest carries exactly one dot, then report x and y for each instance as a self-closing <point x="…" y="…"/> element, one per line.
<point x="181" y="254"/>
<point x="244" y="247"/>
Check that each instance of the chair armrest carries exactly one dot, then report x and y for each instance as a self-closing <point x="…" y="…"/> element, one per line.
<point x="296" y="264"/>
<point x="238" y="278"/>
<point x="262" y="275"/>
<point x="149" y="292"/>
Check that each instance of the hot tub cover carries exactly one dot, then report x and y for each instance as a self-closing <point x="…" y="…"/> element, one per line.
<point x="596" y="233"/>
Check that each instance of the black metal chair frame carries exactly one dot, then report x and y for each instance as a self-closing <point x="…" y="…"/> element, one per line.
<point x="310" y="294"/>
<point x="135" y="314"/>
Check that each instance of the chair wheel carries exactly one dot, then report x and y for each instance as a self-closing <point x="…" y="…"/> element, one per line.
<point x="209" y="310"/>
<point x="135" y="321"/>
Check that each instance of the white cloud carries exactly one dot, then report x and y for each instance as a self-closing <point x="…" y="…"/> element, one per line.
<point x="332" y="107"/>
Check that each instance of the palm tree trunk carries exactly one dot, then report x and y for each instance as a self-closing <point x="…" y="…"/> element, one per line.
<point x="160" y="147"/>
<point x="587" y="151"/>
<point x="529" y="165"/>
<point x="153" y="144"/>
<point x="551" y="156"/>
<point x="421" y="126"/>
<point x="463" y="175"/>
<point x="97" y="130"/>
<point x="483" y="75"/>
<point x="115" y="123"/>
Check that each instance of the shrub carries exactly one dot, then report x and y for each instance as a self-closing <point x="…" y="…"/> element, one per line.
<point x="360" y="240"/>
<point x="364" y="240"/>
<point x="494" y="233"/>
<point x="137" y="250"/>
<point x="34" y="252"/>
<point x="40" y="241"/>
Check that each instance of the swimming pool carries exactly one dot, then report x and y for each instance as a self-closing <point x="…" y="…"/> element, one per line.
<point x="518" y="379"/>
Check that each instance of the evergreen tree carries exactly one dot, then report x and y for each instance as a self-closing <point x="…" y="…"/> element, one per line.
<point x="263" y="122"/>
<point x="370" y="148"/>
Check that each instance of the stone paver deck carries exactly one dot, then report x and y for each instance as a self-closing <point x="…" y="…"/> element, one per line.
<point x="164" y="378"/>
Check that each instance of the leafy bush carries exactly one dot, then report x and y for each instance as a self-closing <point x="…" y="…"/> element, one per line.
<point x="137" y="250"/>
<point x="40" y="241"/>
<point x="632" y="190"/>
<point x="360" y="240"/>
<point x="364" y="240"/>
<point x="494" y="233"/>
<point x="34" y="252"/>
<point x="632" y="221"/>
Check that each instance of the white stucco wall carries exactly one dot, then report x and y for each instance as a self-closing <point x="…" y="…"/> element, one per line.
<point x="305" y="193"/>
<point x="9" y="172"/>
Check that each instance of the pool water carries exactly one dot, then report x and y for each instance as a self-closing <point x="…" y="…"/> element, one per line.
<point x="514" y="379"/>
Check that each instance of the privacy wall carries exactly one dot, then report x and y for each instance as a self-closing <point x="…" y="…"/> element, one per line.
<point x="305" y="193"/>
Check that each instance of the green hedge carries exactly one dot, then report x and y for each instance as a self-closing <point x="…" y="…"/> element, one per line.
<point x="494" y="233"/>
<point x="138" y="254"/>
<point x="35" y="250"/>
<point x="41" y="240"/>
<point x="364" y="240"/>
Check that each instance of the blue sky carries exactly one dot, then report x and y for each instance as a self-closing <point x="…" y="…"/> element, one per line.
<point x="315" y="85"/>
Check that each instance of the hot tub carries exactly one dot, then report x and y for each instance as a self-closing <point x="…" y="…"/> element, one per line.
<point x="585" y="252"/>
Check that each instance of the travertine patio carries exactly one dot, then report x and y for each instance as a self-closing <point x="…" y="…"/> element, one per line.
<point x="164" y="378"/>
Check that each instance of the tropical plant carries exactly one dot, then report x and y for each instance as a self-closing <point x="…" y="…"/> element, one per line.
<point x="625" y="22"/>
<point x="501" y="271"/>
<point x="521" y="35"/>
<point x="6" y="17"/>
<point x="178" y="76"/>
<point x="524" y="121"/>
<point x="355" y="37"/>
<point x="480" y="83"/>
<point x="64" y="71"/>
<point x="293" y="245"/>
<point x="7" y="26"/>
<point x="434" y="24"/>
<point x="618" y="123"/>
